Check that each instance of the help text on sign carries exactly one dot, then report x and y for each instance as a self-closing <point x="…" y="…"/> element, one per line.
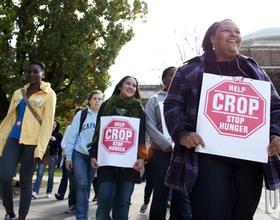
<point x="235" y="109"/>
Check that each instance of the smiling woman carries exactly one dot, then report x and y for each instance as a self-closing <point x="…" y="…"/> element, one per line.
<point x="220" y="187"/>
<point x="227" y="40"/>
<point x="117" y="183"/>
<point x="128" y="88"/>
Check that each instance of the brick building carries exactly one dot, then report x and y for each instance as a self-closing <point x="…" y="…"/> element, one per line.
<point x="264" y="47"/>
<point x="149" y="90"/>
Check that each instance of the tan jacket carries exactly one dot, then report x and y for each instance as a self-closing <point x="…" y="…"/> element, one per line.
<point x="43" y="102"/>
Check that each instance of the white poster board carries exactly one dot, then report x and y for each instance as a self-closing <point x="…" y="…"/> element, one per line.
<point x="234" y="117"/>
<point x="164" y="127"/>
<point x="118" y="141"/>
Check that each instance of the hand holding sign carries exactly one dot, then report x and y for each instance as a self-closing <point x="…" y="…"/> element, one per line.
<point x="138" y="165"/>
<point x="190" y="139"/>
<point x="274" y="146"/>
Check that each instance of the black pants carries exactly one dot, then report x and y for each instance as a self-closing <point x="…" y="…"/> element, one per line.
<point x="11" y="154"/>
<point x="226" y="188"/>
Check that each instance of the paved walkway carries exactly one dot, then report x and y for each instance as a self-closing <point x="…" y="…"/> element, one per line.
<point x="49" y="208"/>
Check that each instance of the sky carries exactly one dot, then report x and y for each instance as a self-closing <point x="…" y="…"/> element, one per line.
<point x="154" y="46"/>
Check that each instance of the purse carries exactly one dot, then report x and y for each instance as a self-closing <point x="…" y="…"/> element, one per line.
<point x="46" y="158"/>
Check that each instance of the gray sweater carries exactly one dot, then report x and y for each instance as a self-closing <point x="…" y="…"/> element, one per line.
<point x="153" y="122"/>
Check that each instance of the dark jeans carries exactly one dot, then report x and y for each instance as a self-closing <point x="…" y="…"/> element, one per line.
<point x="95" y="185"/>
<point x="180" y="206"/>
<point x="72" y="188"/>
<point x="63" y="182"/>
<point x="116" y="195"/>
<point x="160" y="163"/>
<point x="226" y="188"/>
<point x="9" y="160"/>
<point x="149" y="182"/>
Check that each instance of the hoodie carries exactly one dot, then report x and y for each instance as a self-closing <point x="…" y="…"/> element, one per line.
<point x="43" y="103"/>
<point x="154" y="124"/>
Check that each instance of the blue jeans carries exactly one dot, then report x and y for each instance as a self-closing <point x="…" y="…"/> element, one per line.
<point x="40" y="174"/>
<point x="116" y="195"/>
<point x="72" y="189"/>
<point x="160" y="163"/>
<point x="83" y="176"/>
<point x="52" y="165"/>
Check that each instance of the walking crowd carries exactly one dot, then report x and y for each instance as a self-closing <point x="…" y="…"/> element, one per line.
<point x="194" y="185"/>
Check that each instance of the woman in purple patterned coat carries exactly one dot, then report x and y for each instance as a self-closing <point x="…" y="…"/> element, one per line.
<point x="219" y="187"/>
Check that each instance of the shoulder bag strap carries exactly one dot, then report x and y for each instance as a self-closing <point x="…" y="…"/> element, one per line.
<point x="30" y="107"/>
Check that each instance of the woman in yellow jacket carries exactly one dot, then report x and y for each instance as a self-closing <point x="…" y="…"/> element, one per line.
<point x="21" y="136"/>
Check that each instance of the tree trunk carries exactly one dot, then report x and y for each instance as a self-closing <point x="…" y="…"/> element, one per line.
<point x="3" y="103"/>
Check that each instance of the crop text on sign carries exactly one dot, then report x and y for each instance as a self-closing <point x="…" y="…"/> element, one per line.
<point x="118" y="136"/>
<point x="235" y="109"/>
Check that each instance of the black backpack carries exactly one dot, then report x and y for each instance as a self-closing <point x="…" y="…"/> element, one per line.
<point x="83" y="118"/>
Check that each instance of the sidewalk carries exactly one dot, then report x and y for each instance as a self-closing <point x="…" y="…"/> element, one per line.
<point x="49" y="208"/>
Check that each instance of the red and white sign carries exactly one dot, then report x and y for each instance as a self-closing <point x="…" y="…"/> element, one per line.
<point x="118" y="141"/>
<point x="234" y="117"/>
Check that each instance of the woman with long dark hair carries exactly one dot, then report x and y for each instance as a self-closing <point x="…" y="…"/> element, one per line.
<point x="117" y="183"/>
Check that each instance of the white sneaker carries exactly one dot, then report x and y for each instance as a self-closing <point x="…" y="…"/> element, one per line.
<point x="48" y="195"/>
<point x="71" y="209"/>
<point x="34" y="195"/>
<point x="7" y="217"/>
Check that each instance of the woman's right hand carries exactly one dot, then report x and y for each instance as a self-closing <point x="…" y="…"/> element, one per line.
<point x="190" y="139"/>
<point x="52" y="139"/>
<point x="94" y="163"/>
<point x="169" y="149"/>
<point x="69" y="165"/>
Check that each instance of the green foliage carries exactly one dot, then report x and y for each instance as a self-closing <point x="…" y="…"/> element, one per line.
<point x="78" y="41"/>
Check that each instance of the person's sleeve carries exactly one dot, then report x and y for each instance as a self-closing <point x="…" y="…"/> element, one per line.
<point x="151" y="124"/>
<point x="94" y="148"/>
<point x="175" y="106"/>
<point x="142" y="131"/>
<point x="73" y="136"/>
<point x="142" y="135"/>
<point x="47" y="123"/>
<point x="58" y="138"/>
<point x="63" y="142"/>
